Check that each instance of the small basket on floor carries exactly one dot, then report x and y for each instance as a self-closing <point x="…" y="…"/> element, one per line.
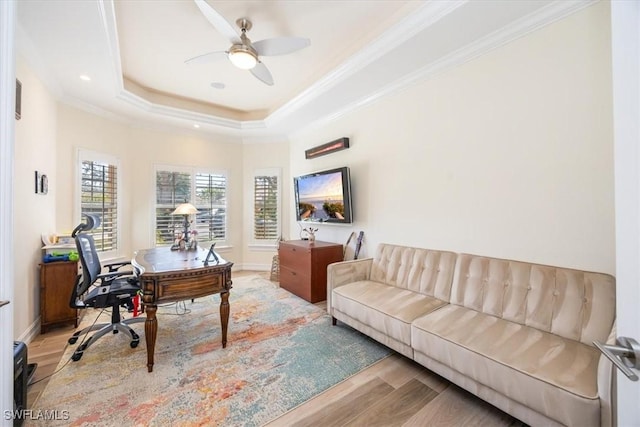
<point x="275" y="269"/>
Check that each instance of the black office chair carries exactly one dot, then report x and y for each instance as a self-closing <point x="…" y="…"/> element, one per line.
<point x="95" y="290"/>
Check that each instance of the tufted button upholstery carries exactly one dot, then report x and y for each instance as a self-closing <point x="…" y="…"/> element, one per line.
<point x="552" y="299"/>
<point x="428" y="272"/>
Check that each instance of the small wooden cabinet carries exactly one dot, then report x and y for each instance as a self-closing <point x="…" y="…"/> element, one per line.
<point x="56" y="283"/>
<point x="303" y="267"/>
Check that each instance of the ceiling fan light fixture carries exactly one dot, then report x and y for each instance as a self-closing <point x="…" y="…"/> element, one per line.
<point x="243" y="57"/>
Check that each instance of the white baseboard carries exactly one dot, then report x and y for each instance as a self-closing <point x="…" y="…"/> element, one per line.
<point x="32" y="331"/>
<point x="252" y="267"/>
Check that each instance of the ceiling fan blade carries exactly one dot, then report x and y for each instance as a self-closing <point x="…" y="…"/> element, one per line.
<point x="280" y="45"/>
<point x="262" y="73"/>
<point x="207" y="57"/>
<point x="218" y="21"/>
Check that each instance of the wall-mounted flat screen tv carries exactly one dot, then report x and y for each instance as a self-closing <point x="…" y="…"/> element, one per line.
<point x="324" y="196"/>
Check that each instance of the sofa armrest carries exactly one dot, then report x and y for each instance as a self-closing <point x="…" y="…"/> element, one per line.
<point x="342" y="273"/>
<point x="606" y="390"/>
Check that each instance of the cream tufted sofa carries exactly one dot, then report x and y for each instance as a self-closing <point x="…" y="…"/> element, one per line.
<point x="516" y="334"/>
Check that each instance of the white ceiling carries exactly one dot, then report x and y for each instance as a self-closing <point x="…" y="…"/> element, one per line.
<point x="134" y="52"/>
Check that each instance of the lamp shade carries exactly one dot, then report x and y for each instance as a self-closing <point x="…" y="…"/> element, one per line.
<point x="185" y="209"/>
<point x="243" y="57"/>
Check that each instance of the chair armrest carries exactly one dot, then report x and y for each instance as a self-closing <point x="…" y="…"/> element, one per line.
<point x="116" y="265"/>
<point x="606" y="385"/>
<point x="108" y="277"/>
<point x="342" y="273"/>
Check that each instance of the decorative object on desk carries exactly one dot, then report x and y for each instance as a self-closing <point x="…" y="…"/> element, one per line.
<point x="211" y="256"/>
<point x="187" y="241"/>
<point x="279" y="341"/>
<point x="329" y="147"/>
<point x="311" y="233"/>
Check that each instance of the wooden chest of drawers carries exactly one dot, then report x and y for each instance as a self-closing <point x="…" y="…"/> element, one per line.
<point x="56" y="283"/>
<point x="303" y="267"/>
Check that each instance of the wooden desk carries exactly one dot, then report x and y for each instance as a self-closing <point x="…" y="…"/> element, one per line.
<point x="168" y="276"/>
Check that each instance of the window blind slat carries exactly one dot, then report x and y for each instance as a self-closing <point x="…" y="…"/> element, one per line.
<point x="207" y="192"/>
<point x="265" y="202"/>
<point x="99" y="196"/>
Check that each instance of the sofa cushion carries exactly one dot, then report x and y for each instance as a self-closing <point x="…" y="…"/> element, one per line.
<point x="546" y="372"/>
<point x="385" y="308"/>
<point x="425" y="271"/>
<point x="570" y="303"/>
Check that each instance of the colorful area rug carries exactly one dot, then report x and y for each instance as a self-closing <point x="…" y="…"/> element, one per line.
<point x="281" y="352"/>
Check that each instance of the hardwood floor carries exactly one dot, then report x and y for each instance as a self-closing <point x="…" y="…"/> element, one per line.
<point x="393" y="392"/>
<point x="46" y="350"/>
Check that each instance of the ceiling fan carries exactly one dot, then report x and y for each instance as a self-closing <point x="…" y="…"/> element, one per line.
<point x="243" y="53"/>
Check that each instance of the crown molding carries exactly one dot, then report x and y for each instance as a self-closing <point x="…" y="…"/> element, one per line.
<point x="402" y="32"/>
<point x="517" y="29"/>
<point x="108" y="17"/>
<point x="425" y="16"/>
<point x="178" y="113"/>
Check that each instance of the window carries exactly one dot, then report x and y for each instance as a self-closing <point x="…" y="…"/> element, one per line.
<point x="266" y="206"/>
<point x="206" y="191"/>
<point x="99" y="195"/>
<point x="211" y="201"/>
<point x="172" y="189"/>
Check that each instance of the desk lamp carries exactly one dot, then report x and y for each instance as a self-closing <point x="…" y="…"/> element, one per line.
<point x="185" y="209"/>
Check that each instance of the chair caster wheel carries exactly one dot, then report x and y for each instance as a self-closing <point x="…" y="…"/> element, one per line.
<point x="134" y="344"/>
<point x="72" y="340"/>
<point x="76" y="356"/>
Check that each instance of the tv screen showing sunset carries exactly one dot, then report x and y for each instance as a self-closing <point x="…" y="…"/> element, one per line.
<point x="320" y="197"/>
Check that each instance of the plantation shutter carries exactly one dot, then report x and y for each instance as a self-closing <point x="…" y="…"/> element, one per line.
<point x="265" y="202"/>
<point x="172" y="189"/>
<point x="211" y="202"/>
<point x="99" y="196"/>
<point x="206" y="191"/>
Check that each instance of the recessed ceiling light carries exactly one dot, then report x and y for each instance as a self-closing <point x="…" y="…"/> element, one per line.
<point x="197" y="126"/>
<point x="217" y="85"/>
<point x="85" y="77"/>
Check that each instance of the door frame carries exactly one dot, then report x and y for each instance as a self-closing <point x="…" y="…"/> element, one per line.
<point x="625" y="49"/>
<point x="7" y="138"/>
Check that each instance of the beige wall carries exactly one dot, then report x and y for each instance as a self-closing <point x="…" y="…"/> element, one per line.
<point x="510" y="155"/>
<point x="139" y="151"/>
<point x="76" y="130"/>
<point x="34" y="214"/>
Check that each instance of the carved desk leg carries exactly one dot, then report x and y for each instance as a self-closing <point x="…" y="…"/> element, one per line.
<point x="151" y="324"/>
<point x="150" y="331"/>
<point x="224" y="315"/>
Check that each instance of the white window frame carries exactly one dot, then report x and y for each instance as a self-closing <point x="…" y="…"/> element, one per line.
<point x="93" y="156"/>
<point x="192" y="171"/>
<point x="262" y="243"/>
